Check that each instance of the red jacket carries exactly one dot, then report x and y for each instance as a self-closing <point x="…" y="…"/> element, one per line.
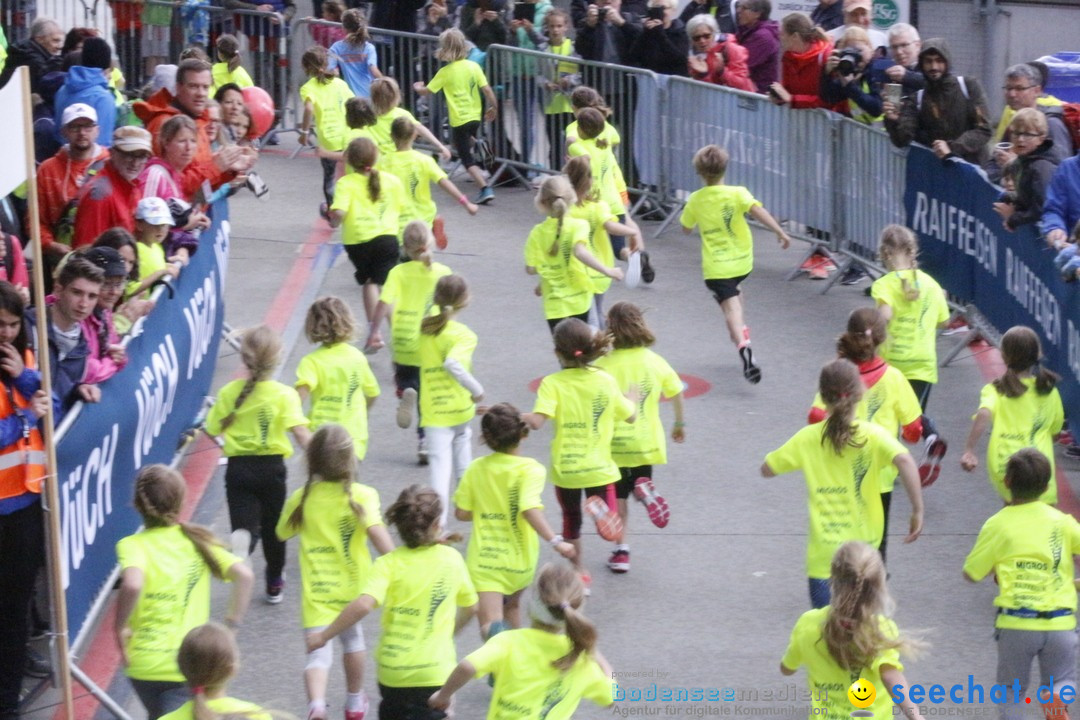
<point x="108" y="200"/>
<point x="734" y="71"/>
<point x="58" y="182"/>
<point x="154" y="112"/>
<point x="800" y="74"/>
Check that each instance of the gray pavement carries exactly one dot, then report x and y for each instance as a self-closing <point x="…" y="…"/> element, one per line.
<point x="710" y="599"/>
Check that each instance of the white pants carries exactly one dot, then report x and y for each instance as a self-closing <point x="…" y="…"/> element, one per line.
<point x="449" y="451"/>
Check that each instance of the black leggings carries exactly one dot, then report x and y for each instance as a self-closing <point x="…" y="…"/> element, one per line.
<point x="408" y="376"/>
<point x="570" y="502"/>
<point x="22" y="543"/>
<point x="922" y="390"/>
<point x="463" y="137"/>
<point x="329" y="170"/>
<point x="255" y="491"/>
<point x="407" y="704"/>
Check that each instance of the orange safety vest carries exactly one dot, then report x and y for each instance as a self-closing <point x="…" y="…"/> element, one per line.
<point x="22" y="463"/>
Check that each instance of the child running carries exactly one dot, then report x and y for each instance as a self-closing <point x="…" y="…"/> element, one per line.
<point x="448" y="390"/>
<point x="584" y="403"/>
<point x="369" y="204"/>
<point x="727" y="245"/>
<point x="914" y="306"/>
<point x="888" y="400"/>
<point x="335" y="516"/>
<point x="558" y="251"/>
<point x="543" y="671"/>
<point x="165" y="574"/>
<point x="324" y="96"/>
<point x="426" y="596"/>
<point x="208" y="660"/>
<point x="386" y="102"/>
<point x="602" y="224"/>
<point x="228" y="68"/>
<point x="500" y="495"/>
<point x="407" y="297"/>
<point x="1024" y="408"/>
<point x="583" y="97"/>
<point x="462" y="81"/>
<point x="336" y="376"/>
<point x="253" y="417"/>
<point x="637" y="447"/>
<point x="355" y="56"/>
<point x="843" y="460"/>
<point x="417" y="172"/>
<point x="854" y="637"/>
<point x="1030" y="548"/>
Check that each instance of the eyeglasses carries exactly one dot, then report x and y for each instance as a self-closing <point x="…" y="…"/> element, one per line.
<point x="1015" y="88"/>
<point x="131" y="157"/>
<point x="707" y="36"/>
<point x="81" y="127"/>
<point x="901" y="46"/>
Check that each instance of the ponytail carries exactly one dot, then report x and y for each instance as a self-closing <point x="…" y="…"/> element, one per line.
<point x="331" y="457"/>
<point x="554" y="199"/>
<point x="582" y="634"/>
<point x="245" y="391"/>
<point x="159" y="497"/>
<point x="558" y="211"/>
<point x="841" y="388"/>
<point x="866" y="329"/>
<point x="353" y="22"/>
<point x="204" y="542"/>
<point x="228" y="48"/>
<point x="1020" y="350"/>
<point x="260" y="351"/>
<point x="451" y="295"/>
<point x="557" y="601"/>
<point x="416" y="240"/>
<point x="910" y="287"/>
<point x="374" y="183"/>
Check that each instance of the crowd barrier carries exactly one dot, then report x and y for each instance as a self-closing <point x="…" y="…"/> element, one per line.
<point x="144" y="409"/>
<point x="1008" y="276"/>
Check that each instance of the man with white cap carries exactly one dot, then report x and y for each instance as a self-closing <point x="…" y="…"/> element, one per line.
<point x="858" y="13"/>
<point x="109" y="198"/>
<point x="60" y="178"/>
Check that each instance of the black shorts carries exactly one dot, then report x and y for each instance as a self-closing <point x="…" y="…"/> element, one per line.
<point x="629" y="475"/>
<point x="552" y="322"/>
<point x="725" y="288"/>
<point x="462" y="138"/>
<point x="373" y="259"/>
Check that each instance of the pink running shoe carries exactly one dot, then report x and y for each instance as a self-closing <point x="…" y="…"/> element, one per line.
<point x="655" y="505"/>
<point x="930" y="467"/>
<point x="438" y="229"/>
<point x="608" y="523"/>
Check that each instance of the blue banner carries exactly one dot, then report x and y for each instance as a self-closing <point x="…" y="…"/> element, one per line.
<point x="143" y="412"/>
<point x="1009" y="276"/>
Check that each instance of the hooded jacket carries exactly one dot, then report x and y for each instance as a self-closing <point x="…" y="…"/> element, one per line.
<point x="35" y="57"/>
<point x="762" y="43"/>
<point x="154" y="112"/>
<point x="726" y="63"/>
<point x="944" y="111"/>
<point x="662" y="50"/>
<point x="67" y="374"/>
<point x="1061" y="211"/>
<point x="107" y="200"/>
<point x="1036" y="170"/>
<point x="59" y="180"/>
<point x="87" y="85"/>
<point x="800" y="74"/>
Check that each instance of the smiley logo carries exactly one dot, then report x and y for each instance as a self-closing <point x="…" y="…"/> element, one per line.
<point x="862" y="693"/>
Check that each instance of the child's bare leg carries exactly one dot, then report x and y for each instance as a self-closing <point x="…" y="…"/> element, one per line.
<point x="578" y="565"/>
<point x="354" y="671"/>
<point x="371" y="299"/>
<point x="733" y="316"/>
<point x="477" y="175"/>
<point x="512" y="609"/>
<point x="624" y="515"/>
<point x="489" y="609"/>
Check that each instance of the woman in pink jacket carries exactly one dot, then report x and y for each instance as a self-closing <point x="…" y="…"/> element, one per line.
<point x="715" y="57"/>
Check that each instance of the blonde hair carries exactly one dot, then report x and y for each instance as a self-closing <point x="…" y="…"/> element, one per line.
<point x="417" y="242"/>
<point x="260" y="351"/>
<point x="1029" y="120"/>
<point x="560" y="590"/>
<point x="710" y="162"/>
<point x="898" y="244"/>
<point x="315" y="62"/>
<point x="208" y="658"/>
<point x="854" y="34"/>
<point x="385" y="95"/>
<point x="578" y="171"/>
<point x="329" y="321"/>
<point x="451" y="296"/>
<point x="841" y="389"/>
<point x="452" y="46"/>
<point x="555" y="198"/>
<point x="331" y="457"/>
<point x="354" y="23"/>
<point x="159" y="498"/>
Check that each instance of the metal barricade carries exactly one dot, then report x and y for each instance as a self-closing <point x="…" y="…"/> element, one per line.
<point x="16" y="16"/>
<point x="410" y="58"/>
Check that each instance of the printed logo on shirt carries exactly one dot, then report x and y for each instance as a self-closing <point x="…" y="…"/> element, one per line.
<point x="645" y="388"/>
<point x="514" y="503"/>
<point x="439" y="592"/>
<point x="858" y="471"/>
<point x="346" y="529"/>
<point x="599" y="405"/>
<point x="354" y="385"/>
<point x="264" y="425"/>
<point x="553" y="696"/>
<point x="1057" y="541"/>
<point x="873" y="403"/>
<point x="728" y="213"/>
<point x="194" y="572"/>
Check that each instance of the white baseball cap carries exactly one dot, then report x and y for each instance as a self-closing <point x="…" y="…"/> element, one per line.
<point x="77" y="111"/>
<point x="153" y="210"/>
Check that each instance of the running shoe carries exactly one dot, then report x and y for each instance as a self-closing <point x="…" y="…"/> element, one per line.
<point x="316" y="714"/>
<point x="750" y="371"/>
<point x="421" y="452"/>
<point x="586" y="580"/>
<point x="405" y="407"/>
<point x="648" y="273"/>
<point x="438" y="229"/>
<point x="355" y="714"/>
<point x="619" y="562"/>
<point x="1065" y="438"/>
<point x="655" y="505"/>
<point x="853" y="275"/>
<point x="37" y="665"/>
<point x="486" y="195"/>
<point x="608" y="523"/>
<point x="930" y="466"/>
<point x="275" y="591"/>
<point x="956" y="326"/>
<point x="633" y="270"/>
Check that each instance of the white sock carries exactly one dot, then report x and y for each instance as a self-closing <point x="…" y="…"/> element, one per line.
<point x="317" y="708"/>
<point x="623" y="546"/>
<point x="356" y="702"/>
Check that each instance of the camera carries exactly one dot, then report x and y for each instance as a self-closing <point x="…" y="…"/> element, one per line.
<point x="601" y="13"/>
<point x="256" y="184"/>
<point x="850" y="61"/>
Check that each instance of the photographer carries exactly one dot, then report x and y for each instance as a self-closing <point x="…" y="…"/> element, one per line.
<point x="806" y="50"/>
<point x="484" y="22"/>
<point x="606" y="34"/>
<point x="663" y="44"/>
<point x="853" y="77"/>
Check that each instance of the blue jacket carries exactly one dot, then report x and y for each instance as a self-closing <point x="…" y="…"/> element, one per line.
<point x="87" y="85"/>
<point x="67" y="374"/>
<point x="1061" y="211"/>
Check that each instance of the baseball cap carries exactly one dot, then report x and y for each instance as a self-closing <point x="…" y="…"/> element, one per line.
<point x="131" y="139"/>
<point x="77" y="111"/>
<point x="153" y="210"/>
<point x="108" y="260"/>
<point x="851" y="5"/>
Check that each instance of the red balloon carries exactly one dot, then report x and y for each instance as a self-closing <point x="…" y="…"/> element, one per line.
<point x="261" y="106"/>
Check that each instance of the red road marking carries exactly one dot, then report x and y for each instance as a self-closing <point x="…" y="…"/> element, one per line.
<point x="102" y="656"/>
<point x="693" y="386"/>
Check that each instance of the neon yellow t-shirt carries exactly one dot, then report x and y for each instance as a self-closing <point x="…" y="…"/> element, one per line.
<point x="828" y="681"/>
<point x="1031" y="420"/>
<point x="843" y="491"/>
<point x="224" y="707"/>
<point x="333" y="374"/>
<point x="559" y="102"/>
<point x="334" y="556"/>
<point x="417" y="172"/>
<point x="443" y="400"/>
<point x="613" y="138"/>
<point x="409" y="288"/>
<point x="416" y="648"/>
<point x="175" y="597"/>
<point x="380" y="131"/>
<point x="220" y="75"/>
<point x="597" y="214"/>
<point x="911" y="346"/>
<point x="151" y="259"/>
<point x="526" y="683"/>
<point x="603" y="164"/>
<point x="1030" y="549"/>
<point x="262" y="423"/>
<point x="460" y="82"/>
<point x="564" y="280"/>
<point x="584" y="405"/>
<point x="366" y="220"/>
<point x="641" y="442"/>
<point x="503" y="547"/>
<point x="727" y="246"/>
<point x="328" y="100"/>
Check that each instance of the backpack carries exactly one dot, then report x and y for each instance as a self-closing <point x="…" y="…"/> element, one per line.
<point x="1071" y="116"/>
<point x="963" y="89"/>
<point x="64" y="230"/>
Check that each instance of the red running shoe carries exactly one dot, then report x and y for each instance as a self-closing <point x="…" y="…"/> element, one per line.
<point x="608" y="523"/>
<point x="930" y="467"/>
<point x="619" y="562"/>
<point x="438" y="229"/>
<point x="655" y="505"/>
